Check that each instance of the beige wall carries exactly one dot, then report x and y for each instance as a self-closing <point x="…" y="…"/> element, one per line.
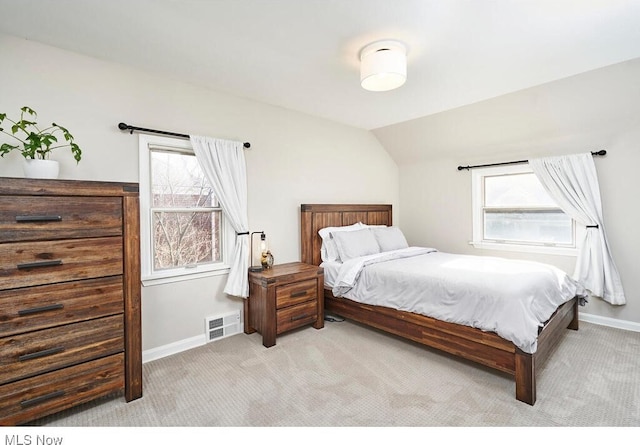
<point x="294" y="158"/>
<point x="595" y="110"/>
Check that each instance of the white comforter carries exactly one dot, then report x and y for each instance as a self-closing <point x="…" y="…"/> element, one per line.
<point x="509" y="297"/>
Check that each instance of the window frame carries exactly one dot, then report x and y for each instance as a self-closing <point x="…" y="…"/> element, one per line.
<point x="477" y="179"/>
<point x="150" y="277"/>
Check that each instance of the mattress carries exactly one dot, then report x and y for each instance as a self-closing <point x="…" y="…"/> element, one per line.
<point x="511" y="298"/>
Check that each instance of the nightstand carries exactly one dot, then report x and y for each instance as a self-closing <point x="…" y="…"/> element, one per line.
<point x="283" y="298"/>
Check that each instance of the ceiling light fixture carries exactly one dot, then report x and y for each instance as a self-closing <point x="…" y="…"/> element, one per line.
<point x="383" y="65"/>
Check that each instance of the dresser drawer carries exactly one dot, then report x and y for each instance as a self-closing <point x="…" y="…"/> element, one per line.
<point x="295" y="316"/>
<point x="37" y="352"/>
<point x="296" y="293"/>
<point x="45" y="394"/>
<point x="45" y="262"/>
<point x="30" y="218"/>
<point x="29" y="309"/>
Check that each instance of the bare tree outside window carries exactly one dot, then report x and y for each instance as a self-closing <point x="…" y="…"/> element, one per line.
<point x="186" y="217"/>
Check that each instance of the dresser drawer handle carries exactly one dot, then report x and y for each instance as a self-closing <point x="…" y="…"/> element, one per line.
<point x="44" y="398"/>
<point x="301" y="293"/>
<point x="40" y="264"/>
<point x="43" y="353"/>
<point x="38" y="218"/>
<point x="300" y="317"/>
<point x="35" y="310"/>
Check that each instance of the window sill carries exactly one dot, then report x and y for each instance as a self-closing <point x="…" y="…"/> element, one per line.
<point x="565" y="251"/>
<point x="184" y="276"/>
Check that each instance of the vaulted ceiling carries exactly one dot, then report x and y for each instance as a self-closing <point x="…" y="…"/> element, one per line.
<point x="303" y="54"/>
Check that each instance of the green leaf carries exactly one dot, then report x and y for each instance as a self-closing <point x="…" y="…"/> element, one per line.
<point x="48" y="139"/>
<point x="77" y="153"/>
<point x="6" y="148"/>
<point x="25" y="123"/>
<point x="31" y="111"/>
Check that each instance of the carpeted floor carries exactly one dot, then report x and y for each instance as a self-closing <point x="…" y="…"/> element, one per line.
<point x="350" y="375"/>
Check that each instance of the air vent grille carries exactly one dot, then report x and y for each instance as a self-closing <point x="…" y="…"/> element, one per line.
<point x="216" y="323"/>
<point x="216" y="333"/>
<point x="221" y="326"/>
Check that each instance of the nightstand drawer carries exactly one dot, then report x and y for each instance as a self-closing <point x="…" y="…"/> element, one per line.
<point x="30" y="218"/>
<point x="296" y="293"/>
<point x="37" y="352"/>
<point x="29" y="309"/>
<point x="46" y="262"/>
<point x="48" y="393"/>
<point x="295" y="316"/>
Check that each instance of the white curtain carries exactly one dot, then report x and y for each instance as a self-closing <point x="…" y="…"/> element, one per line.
<point x="224" y="166"/>
<point x="573" y="182"/>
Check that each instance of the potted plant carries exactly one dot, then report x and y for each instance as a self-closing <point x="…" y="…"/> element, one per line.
<point x="36" y="144"/>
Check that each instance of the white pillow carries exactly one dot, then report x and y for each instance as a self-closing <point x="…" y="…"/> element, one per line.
<point x="390" y="238"/>
<point x="357" y="243"/>
<point x="328" y="250"/>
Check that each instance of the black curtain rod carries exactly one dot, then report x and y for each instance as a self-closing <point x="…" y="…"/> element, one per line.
<point x="131" y="129"/>
<point x="469" y="167"/>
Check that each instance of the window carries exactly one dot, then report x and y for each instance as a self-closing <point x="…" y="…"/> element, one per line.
<point x="512" y="211"/>
<point x="183" y="234"/>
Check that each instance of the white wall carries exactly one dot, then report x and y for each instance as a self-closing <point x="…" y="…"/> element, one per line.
<point x="294" y="158"/>
<point x="592" y="111"/>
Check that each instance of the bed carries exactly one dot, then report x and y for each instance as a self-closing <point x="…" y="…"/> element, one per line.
<point x="481" y="346"/>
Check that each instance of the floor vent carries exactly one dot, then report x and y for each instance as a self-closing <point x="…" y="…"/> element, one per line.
<point x="222" y="326"/>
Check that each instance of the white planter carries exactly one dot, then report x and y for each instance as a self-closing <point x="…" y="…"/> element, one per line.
<point x="41" y="168"/>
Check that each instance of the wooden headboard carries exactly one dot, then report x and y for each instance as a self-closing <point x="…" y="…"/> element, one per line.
<point x="314" y="217"/>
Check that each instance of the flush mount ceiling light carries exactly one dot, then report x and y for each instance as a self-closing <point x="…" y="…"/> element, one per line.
<point x="383" y="65"/>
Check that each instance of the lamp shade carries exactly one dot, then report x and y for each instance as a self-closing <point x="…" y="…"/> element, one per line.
<point x="383" y="65"/>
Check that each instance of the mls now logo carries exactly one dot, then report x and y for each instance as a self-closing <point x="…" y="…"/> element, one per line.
<point x="28" y="439"/>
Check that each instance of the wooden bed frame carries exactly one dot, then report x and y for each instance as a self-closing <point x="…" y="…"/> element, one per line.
<point x="470" y="343"/>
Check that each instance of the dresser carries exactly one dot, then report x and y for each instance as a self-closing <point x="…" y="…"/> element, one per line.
<point x="69" y="295"/>
<point x="282" y="298"/>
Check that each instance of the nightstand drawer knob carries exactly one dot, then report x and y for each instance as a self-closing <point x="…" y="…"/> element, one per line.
<point x="302" y="317"/>
<point x="301" y="293"/>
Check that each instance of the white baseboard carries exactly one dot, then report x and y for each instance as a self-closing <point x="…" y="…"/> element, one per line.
<point x="611" y="322"/>
<point x="188" y="343"/>
<point x="150" y="355"/>
<point x="173" y="348"/>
